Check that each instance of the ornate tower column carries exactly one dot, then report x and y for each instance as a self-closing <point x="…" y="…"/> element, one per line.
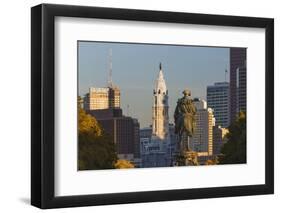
<point x="160" y="115"/>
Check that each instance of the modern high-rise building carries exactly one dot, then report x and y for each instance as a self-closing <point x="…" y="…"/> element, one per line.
<point x="114" y="97"/>
<point x="202" y="140"/>
<point x="242" y="89"/>
<point x="102" y="98"/>
<point x="104" y="105"/>
<point x="238" y="79"/>
<point x="97" y="98"/>
<point x="218" y="100"/>
<point x="136" y="139"/>
<point x="123" y="130"/>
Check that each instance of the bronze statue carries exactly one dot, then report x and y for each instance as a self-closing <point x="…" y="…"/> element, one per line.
<point x="185" y="118"/>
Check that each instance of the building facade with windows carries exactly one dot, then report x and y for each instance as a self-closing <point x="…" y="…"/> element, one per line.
<point x="102" y="98"/>
<point x="123" y="130"/>
<point x="202" y="140"/>
<point x="218" y="100"/>
<point x="237" y="81"/>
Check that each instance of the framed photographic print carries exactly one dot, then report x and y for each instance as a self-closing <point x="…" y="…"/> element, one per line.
<point x="139" y="106"/>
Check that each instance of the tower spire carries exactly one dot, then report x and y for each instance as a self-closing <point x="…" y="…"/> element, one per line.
<point x="109" y="80"/>
<point x="160" y="81"/>
<point x="160" y="117"/>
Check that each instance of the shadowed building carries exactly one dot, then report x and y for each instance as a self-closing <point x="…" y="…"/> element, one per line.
<point x="219" y="139"/>
<point x="123" y="130"/>
<point x="242" y="90"/>
<point x="238" y="78"/>
<point x="104" y="104"/>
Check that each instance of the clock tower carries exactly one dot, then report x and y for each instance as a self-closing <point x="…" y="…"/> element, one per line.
<point x="160" y="109"/>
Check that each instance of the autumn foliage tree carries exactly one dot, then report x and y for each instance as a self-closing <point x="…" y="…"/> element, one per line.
<point x="96" y="149"/>
<point x="211" y="162"/>
<point x="234" y="150"/>
<point x="123" y="164"/>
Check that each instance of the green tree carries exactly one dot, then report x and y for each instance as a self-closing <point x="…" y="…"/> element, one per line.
<point x="96" y="149"/>
<point x="234" y="150"/>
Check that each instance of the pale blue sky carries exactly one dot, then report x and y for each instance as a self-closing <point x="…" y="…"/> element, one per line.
<point x="136" y="66"/>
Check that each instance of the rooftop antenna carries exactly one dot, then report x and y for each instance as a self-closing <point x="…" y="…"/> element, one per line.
<point x="128" y="110"/>
<point x="160" y="66"/>
<point x="225" y="75"/>
<point x="109" y="80"/>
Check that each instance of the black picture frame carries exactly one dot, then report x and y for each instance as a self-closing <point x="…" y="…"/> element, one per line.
<point x="43" y="102"/>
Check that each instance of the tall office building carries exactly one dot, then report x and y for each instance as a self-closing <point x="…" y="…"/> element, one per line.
<point x="102" y="98"/>
<point x="242" y="89"/>
<point x="97" y="98"/>
<point x="123" y="130"/>
<point x="104" y="105"/>
<point x="136" y="133"/>
<point x="114" y="97"/>
<point x="202" y="140"/>
<point x="238" y="78"/>
<point x="218" y="100"/>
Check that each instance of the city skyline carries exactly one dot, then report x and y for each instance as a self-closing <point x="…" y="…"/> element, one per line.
<point x="135" y="69"/>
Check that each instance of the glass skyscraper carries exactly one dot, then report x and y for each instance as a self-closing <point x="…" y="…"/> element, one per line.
<point x="218" y="100"/>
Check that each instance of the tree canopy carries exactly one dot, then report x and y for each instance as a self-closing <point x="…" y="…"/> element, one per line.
<point x="88" y="125"/>
<point x="123" y="164"/>
<point x="96" y="149"/>
<point x="234" y="150"/>
<point x="211" y="162"/>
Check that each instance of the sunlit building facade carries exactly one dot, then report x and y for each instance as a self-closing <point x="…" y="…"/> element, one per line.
<point x="102" y="98"/>
<point x="202" y="140"/>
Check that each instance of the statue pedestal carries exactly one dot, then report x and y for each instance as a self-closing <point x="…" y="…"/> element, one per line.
<point x="188" y="158"/>
<point x="191" y="158"/>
